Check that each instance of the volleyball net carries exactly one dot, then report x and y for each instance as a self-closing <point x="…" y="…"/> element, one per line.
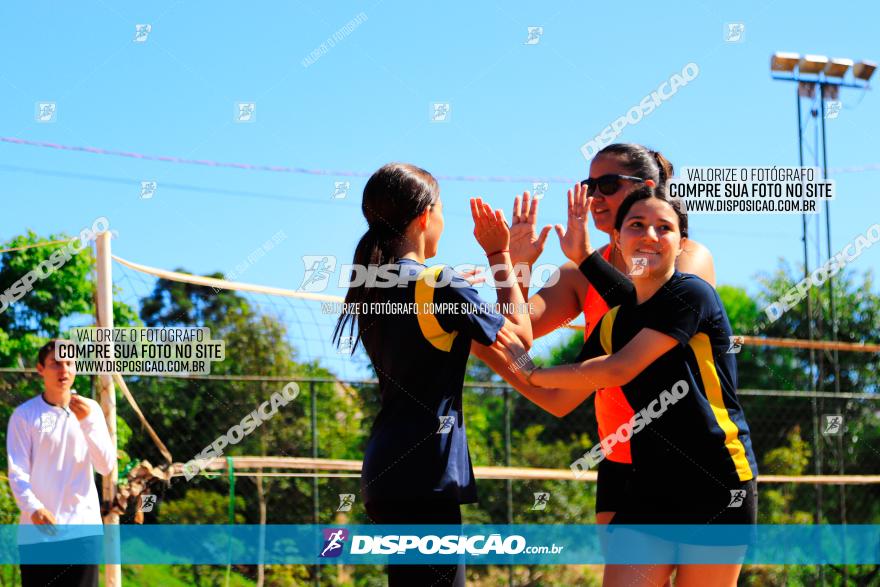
<point x="301" y="465"/>
<point x="523" y="456"/>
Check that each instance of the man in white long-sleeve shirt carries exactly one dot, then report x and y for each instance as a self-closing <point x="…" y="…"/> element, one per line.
<point x="55" y="442"/>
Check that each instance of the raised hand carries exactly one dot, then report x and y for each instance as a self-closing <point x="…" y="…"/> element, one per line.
<point x="575" y="240"/>
<point x="490" y="227"/>
<point x="525" y="244"/>
<point x="79" y="407"/>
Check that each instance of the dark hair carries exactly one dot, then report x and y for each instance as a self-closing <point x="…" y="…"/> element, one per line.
<point x="394" y="196"/>
<point x="641" y="161"/>
<point x="45" y="351"/>
<point x="646" y="193"/>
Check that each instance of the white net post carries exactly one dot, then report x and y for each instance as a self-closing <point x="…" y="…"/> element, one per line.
<point x="104" y="319"/>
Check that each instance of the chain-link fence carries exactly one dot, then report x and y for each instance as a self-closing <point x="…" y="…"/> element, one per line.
<point x="794" y="434"/>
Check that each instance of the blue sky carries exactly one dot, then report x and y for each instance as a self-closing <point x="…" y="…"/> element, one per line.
<point x="517" y="110"/>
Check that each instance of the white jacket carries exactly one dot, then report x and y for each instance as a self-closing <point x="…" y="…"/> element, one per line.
<point x="52" y="459"/>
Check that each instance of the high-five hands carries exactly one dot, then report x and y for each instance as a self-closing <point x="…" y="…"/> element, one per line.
<point x="519" y="361"/>
<point x="526" y="245"/>
<point x="575" y="240"/>
<point x="490" y="227"/>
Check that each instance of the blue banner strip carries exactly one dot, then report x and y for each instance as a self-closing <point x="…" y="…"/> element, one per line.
<point x="471" y="544"/>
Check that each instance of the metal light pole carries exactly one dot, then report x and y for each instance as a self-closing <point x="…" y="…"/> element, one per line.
<point x="809" y="71"/>
<point x="817" y="461"/>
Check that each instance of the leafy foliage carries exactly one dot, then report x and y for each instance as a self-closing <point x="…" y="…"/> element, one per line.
<point x="189" y="414"/>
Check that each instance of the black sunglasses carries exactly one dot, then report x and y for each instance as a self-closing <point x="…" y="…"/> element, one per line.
<point x="607" y="184"/>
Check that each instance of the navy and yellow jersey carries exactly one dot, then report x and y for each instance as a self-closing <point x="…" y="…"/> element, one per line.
<point x="418" y="445"/>
<point x="701" y="435"/>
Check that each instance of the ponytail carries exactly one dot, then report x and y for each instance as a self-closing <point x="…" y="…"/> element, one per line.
<point x="394" y="196"/>
<point x="665" y="167"/>
<point x="641" y="161"/>
<point x="370" y="250"/>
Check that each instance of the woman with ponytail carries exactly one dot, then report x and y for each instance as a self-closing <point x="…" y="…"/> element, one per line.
<point x="615" y="172"/>
<point x="417" y="468"/>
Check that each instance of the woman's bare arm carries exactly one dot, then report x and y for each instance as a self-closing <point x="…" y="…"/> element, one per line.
<point x="555" y="401"/>
<point x="493" y="235"/>
<point x="696" y="259"/>
<point x="557" y="305"/>
<point x="605" y="371"/>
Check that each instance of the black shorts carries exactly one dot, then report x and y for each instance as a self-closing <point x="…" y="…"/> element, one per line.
<point x="612" y="485"/>
<point x="420" y="512"/>
<point x="685" y="503"/>
<point x="44" y="572"/>
<point x="646" y="526"/>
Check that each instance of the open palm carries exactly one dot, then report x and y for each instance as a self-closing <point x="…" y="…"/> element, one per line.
<point x="490" y="227"/>
<point x="526" y="245"/>
<point x="575" y="239"/>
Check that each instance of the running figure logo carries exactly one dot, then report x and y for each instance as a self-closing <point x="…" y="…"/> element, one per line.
<point x="340" y="189"/>
<point x="541" y="500"/>
<point x="245" y="112"/>
<point x="346" y="344"/>
<point x="832" y="109"/>
<point x="333" y="540"/>
<point x="734" y="32"/>
<point x="737" y="497"/>
<point x="736" y="343"/>
<point x="346" y="500"/>
<point x="318" y="271"/>
<point x="147" y="502"/>
<point x="833" y="425"/>
<point x="141" y="32"/>
<point x="440" y="112"/>
<point x="638" y="265"/>
<point x="446" y="424"/>
<point x="47" y="422"/>
<point x="46" y="111"/>
<point x="535" y="34"/>
<point x="148" y="189"/>
<point x="539" y="189"/>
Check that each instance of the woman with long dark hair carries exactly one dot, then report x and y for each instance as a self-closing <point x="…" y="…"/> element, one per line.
<point x="615" y="172"/>
<point x="417" y="468"/>
<point x="667" y="347"/>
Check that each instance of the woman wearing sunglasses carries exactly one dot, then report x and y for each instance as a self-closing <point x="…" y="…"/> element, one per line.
<point x="667" y="346"/>
<point x="616" y="171"/>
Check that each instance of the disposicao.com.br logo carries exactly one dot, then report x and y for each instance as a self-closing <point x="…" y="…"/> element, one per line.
<point x="431" y="544"/>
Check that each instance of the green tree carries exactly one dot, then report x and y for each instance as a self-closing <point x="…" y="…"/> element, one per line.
<point x="777" y="502"/>
<point x="63" y="297"/>
<point x="202" y="507"/>
<point x="772" y="368"/>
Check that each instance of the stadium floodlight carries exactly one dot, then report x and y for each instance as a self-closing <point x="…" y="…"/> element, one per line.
<point x="807" y="89"/>
<point x="829" y="76"/>
<point x="781" y="61"/>
<point x="837" y="67"/>
<point x="830" y="91"/>
<point x="812" y="63"/>
<point x="864" y="70"/>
